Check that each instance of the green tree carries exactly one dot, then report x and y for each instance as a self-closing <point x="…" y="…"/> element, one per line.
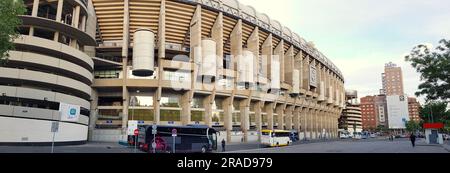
<point x="435" y="111"/>
<point x="434" y="68"/>
<point x="9" y="9"/>
<point x="412" y="126"/>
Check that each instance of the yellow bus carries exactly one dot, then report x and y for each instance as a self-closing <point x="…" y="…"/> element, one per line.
<point x="275" y="138"/>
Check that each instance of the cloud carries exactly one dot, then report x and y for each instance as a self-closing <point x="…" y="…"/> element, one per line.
<point x="360" y="36"/>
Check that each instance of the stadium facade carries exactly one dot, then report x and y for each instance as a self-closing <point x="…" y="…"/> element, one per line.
<point x="211" y="62"/>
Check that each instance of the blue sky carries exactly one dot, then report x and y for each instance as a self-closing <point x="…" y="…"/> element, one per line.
<point x="360" y="36"/>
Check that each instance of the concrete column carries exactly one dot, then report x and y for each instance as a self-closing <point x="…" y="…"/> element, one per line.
<point x="279" y="51"/>
<point x="126" y="103"/>
<point x="75" y="23"/>
<point x="280" y="111"/>
<point x="311" y="122"/>
<point x="245" y="117"/>
<point x="185" y="109"/>
<point x="157" y="107"/>
<point x="125" y="94"/>
<point x="58" y="17"/>
<point x="304" y="124"/>
<point x="320" y="123"/>
<point x="269" y="114"/>
<point x="126" y="29"/>
<point x="207" y="103"/>
<point x="297" y="119"/>
<point x="253" y="46"/>
<point x="83" y="23"/>
<point x="228" y="113"/>
<point x="316" y="127"/>
<point x="34" y="13"/>
<point x="94" y="113"/>
<point x="267" y="53"/>
<point x="258" y="118"/>
<point x="217" y="36"/>
<point x="162" y="30"/>
<point x="161" y="55"/>
<point x="289" y="117"/>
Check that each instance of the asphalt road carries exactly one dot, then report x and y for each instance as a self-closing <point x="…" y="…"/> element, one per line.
<point x="352" y="146"/>
<point x="325" y="146"/>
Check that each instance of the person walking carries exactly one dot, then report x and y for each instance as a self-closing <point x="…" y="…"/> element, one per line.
<point x="223" y="145"/>
<point x="412" y="137"/>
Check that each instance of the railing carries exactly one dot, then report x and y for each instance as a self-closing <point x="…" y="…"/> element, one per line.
<point x="109" y="57"/>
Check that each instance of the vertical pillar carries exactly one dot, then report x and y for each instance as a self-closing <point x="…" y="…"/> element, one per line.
<point x="266" y="55"/>
<point x="125" y="94"/>
<point x="319" y="124"/>
<point x="157" y="107"/>
<point x="311" y="124"/>
<point x="228" y="113"/>
<point x="34" y="13"/>
<point x="185" y="108"/>
<point x="289" y="117"/>
<point x="217" y="36"/>
<point x="306" y="73"/>
<point x="75" y="23"/>
<point x="126" y="103"/>
<point x="304" y="123"/>
<point x="297" y="119"/>
<point x="161" y="56"/>
<point x="58" y="17"/>
<point x="207" y="103"/>
<point x="269" y="112"/>
<point x="94" y="113"/>
<point x="83" y="23"/>
<point x="236" y="45"/>
<point x="279" y="51"/>
<point x="280" y="111"/>
<point x="315" y="115"/>
<point x="258" y="118"/>
<point x="245" y="116"/>
<point x="253" y="46"/>
<point x="195" y="47"/>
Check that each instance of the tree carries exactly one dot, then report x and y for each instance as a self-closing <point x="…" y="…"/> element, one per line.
<point x="434" y="67"/>
<point x="435" y="111"/>
<point x="412" y="126"/>
<point x="9" y="10"/>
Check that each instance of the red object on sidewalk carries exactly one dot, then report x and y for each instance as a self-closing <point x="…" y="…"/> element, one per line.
<point x="433" y="125"/>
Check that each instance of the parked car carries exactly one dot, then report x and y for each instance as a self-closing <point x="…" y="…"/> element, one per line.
<point x="373" y="135"/>
<point x="446" y="136"/>
<point x="357" y="135"/>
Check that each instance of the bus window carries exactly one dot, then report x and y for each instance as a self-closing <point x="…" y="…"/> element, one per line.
<point x="265" y="133"/>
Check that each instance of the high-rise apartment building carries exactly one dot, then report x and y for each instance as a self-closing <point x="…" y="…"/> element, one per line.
<point x="392" y="80"/>
<point x="413" y="108"/>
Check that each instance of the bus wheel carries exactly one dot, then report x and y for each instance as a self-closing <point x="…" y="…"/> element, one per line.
<point x="203" y="149"/>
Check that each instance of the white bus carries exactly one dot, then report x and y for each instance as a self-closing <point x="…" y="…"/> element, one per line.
<point x="275" y="138"/>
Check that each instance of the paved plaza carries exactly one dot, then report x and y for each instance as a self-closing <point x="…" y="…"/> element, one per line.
<point x="324" y="146"/>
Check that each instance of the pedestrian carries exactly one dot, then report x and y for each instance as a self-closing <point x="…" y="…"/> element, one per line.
<point x="223" y="145"/>
<point x="412" y="137"/>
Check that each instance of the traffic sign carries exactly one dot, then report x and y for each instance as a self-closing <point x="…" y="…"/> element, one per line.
<point x="154" y="132"/>
<point x="154" y="145"/>
<point x="174" y="132"/>
<point x="136" y="132"/>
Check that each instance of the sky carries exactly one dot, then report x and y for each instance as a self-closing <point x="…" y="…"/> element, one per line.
<point x="360" y="36"/>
